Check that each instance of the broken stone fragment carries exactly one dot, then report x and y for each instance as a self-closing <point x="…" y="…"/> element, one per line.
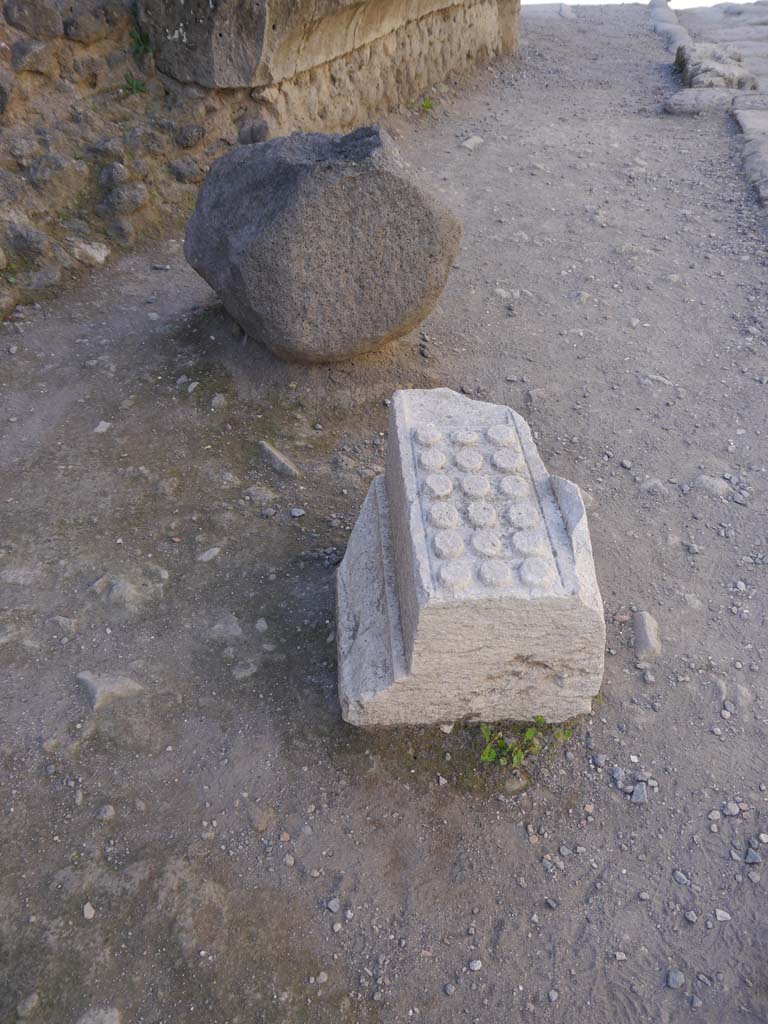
<point x="468" y="589"/>
<point x="321" y="246"/>
<point x="647" y="642"/>
<point x="279" y="462"/>
<point x="102" y="690"/>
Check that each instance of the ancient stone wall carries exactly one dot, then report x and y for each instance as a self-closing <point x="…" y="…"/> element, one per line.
<point x="108" y="123"/>
<point x="328" y="65"/>
<point x="388" y="69"/>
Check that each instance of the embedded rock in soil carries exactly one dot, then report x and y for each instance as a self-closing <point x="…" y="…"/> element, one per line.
<point x="322" y="246"/>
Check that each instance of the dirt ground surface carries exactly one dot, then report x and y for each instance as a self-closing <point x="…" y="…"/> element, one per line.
<point x="218" y="846"/>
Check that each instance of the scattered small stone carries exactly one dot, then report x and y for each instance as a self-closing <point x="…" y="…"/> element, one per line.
<point x="279" y="462"/>
<point x="731" y="809"/>
<point x="696" y="1003"/>
<point x="690" y="915"/>
<point x="646" y="631"/>
<point x="102" y="690"/>
<point x="680" y="877"/>
<point x="105" y="813"/>
<point x="449" y="989"/>
<point x="208" y="555"/>
<point x="472" y="143"/>
<point x="675" y="979"/>
<point x="640" y="793"/>
<point x="553" y="995"/>
<point x="753" y="857"/>
<point x="227" y="628"/>
<point x="102" y="427"/>
<point x="475" y="965"/>
<point x="722" y="915"/>
<point x="297" y="513"/>
<point x="89" y="911"/>
<point x="644" y="896"/>
<point x="289" y="860"/>
<point x="334" y="905"/>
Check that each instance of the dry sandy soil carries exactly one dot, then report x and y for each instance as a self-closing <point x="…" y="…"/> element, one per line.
<point x="171" y="857"/>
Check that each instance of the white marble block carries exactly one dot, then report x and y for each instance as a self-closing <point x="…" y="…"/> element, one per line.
<point x="468" y="589"/>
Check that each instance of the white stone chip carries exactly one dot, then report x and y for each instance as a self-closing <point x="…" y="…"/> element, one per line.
<point x="467" y="595"/>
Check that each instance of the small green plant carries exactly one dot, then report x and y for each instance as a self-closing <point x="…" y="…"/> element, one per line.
<point x="10" y="273"/>
<point x="427" y="104"/>
<point x="513" y="752"/>
<point x="141" y="44"/>
<point x="134" y="85"/>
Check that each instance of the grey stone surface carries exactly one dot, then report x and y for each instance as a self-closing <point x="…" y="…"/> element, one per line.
<point x="468" y="590"/>
<point x="707" y="65"/>
<point x="646" y="630"/>
<point x="701" y="101"/>
<point x="102" y="690"/>
<point x="38" y="18"/>
<point x="321" y="246"/>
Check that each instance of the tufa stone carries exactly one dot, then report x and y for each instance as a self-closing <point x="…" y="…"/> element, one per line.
<point x="321" y="246"/>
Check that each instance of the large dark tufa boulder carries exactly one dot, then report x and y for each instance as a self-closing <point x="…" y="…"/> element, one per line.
<point x="322" y="246"/>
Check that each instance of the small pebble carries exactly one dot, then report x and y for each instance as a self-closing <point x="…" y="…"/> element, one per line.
<point x="475" y="965"/>
<point x="675" y="978"/>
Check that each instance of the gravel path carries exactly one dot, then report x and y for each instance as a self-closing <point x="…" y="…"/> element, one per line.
<point x="189" y="832"/>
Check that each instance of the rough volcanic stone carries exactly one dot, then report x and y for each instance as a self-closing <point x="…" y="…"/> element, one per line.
<point x="38" y="18"/>
<point x="7" y="88"/>
<point x="88" y="21"/>
<point x="32" y="55"/>
<point x="468" y="589"/>
<point x="218" y="45"/>
<point x="188" y="135"/>
<point x="321" y="246"/>
<point x="27" y="240"/>
<point x="186" y="170"/>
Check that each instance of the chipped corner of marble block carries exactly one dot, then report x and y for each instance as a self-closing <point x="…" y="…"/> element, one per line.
<point x="468" y="589"/>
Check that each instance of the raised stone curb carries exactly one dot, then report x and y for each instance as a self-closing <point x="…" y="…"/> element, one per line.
<point x="468" y="590"/>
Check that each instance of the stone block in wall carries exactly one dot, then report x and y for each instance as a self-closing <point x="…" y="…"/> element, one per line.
<point x="468" y="589"/>
<point x="388" y="49"/>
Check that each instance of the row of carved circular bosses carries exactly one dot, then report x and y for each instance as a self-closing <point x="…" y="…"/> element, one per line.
<point x="470" y="460"/>
<point x="501" y="434"/>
